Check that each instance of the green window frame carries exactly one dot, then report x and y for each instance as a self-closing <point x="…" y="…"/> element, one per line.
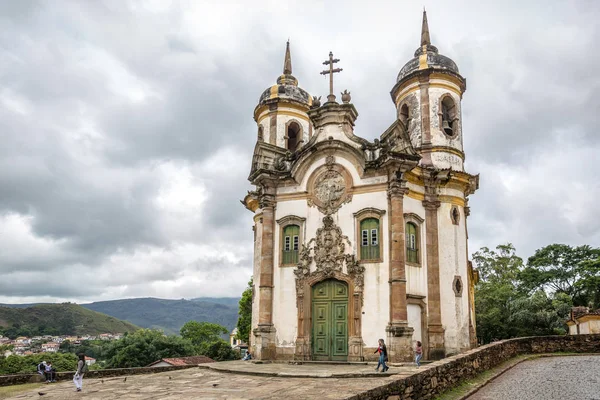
<point x="412" y="243"/>
<point x="291" y="243"/>
<point x="369" y="239"/>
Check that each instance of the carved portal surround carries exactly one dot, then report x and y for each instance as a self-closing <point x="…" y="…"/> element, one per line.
<point x="325" y="257"/>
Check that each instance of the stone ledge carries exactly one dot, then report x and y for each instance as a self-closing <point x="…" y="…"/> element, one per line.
<point x="17" y="379"/>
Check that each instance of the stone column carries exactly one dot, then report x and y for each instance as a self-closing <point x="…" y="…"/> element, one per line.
<point x="435" y="330"/>
<point x="264" y="334"/>
<point x="399" y="334"/>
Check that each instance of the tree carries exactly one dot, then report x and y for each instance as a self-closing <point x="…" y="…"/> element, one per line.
<point x="205" y="336"/>
<point x="559" y="268"/>
<point x="495" y="291"/>
<point x="143" y="347"/>
<point x="219" y="350"/>
<point x="200" y="333"/>
<point x="244" y="323"/>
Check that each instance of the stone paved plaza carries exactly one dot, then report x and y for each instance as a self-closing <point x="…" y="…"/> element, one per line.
<point x="552" y="378"/>
<point x="201" y="383"/>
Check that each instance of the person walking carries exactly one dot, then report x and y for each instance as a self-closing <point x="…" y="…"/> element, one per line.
<point x="418" y="353"/>
<point x="382" y="350"/>
<point x="81" y="370"/>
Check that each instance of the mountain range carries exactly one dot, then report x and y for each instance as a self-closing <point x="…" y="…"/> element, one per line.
<point x="58" y="319"/>
<point x="170" y="315"/>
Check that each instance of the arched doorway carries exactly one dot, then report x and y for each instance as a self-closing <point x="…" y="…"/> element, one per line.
<point x="330" y="320"/>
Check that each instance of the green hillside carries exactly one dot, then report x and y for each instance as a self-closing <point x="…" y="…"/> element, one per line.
<point x="58" y="319"/>
<point x="169" y="315"/>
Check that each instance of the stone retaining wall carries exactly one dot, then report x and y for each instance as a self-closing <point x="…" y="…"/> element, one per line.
<point x="449" y="372"/>
<point x="17" y="379"/>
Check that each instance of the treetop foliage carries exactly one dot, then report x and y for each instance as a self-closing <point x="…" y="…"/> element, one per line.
<point x="513" y="299"/>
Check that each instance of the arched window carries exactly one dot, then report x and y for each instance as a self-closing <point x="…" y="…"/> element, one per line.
<point x="291" y="242"/>
<point x="412" y="243"/>
<point x="448" y="116"/>
<point x="369" y="239"/>
<point x="294" y="132"/>
<point x="404" y="114"/>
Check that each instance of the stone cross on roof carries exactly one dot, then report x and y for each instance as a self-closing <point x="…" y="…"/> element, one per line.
<point x="330" y="72"/>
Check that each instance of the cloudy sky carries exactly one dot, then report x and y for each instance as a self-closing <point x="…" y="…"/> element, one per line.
<point x="126" y="128"/>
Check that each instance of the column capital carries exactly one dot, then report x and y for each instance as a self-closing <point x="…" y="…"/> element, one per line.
<point x="397" y="188"/>
<point x="266" y="201"/>
<point x="431" y="204"/>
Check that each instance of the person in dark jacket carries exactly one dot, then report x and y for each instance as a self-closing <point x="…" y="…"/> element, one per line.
<point x="81" y="369"/>
<point x="382" y="350"/>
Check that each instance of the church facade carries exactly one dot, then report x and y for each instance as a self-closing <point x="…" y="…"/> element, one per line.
<point x="357" y="240"/>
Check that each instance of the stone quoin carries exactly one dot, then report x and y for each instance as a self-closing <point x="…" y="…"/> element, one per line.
<point x="357" y="240"/>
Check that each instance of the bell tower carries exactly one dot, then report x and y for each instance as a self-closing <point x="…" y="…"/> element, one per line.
<point x="427" y="96"/>
<point x="281" y="113"/>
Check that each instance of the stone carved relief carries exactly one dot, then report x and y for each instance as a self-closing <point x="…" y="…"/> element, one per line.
<point x="327" y="250"/>
<point x="330" y="189"/>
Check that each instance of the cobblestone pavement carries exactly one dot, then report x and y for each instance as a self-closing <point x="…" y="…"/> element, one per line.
<point x="195" y="383"/>
<point x="552" y="378"/>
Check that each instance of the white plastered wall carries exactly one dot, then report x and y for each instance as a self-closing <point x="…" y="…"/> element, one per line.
<point x="376" y="289"/>
<point x="414" y="320"/>
<point x="453" y="262"/>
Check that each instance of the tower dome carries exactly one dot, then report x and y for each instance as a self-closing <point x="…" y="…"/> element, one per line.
<point x="287" y="86"/>
<point x="427" y="56"/>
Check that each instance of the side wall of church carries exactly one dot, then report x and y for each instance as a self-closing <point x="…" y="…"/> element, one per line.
<point x="453" y="263"/>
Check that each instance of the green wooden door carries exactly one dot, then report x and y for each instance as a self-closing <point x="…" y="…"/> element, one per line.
<point x="330" y="320"/>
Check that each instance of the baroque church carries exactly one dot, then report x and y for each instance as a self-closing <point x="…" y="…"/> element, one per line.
<point x="357" y="240"/>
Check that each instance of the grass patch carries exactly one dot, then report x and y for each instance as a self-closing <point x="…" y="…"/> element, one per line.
<point x="9" y="391"/>
<point x="464" y="387"/>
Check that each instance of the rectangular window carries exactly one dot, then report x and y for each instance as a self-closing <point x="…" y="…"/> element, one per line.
<point x="365" y="237"/>
<point x="374" y="238"/>
<point x="290" y="245"/>
<point x="369" y="232"/>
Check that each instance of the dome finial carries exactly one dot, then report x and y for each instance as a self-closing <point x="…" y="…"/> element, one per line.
<point x="287" y="64"/>
<point x="425" y="39"/>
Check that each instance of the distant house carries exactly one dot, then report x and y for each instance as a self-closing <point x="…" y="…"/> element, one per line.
<point x="237" y="343"/>
<point x="193" y="360"/>
<point x="50" y="347"/>
<point x="583" y="321"/>
<point x="90" y="361"/>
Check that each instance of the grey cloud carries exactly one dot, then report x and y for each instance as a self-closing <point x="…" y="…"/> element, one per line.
<point x="83" y="158"/>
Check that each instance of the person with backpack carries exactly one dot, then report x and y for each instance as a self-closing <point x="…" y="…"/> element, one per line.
<point x="41" y="369"/>
<point x="82" y="368"/>
<point x="383" y="356"/>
